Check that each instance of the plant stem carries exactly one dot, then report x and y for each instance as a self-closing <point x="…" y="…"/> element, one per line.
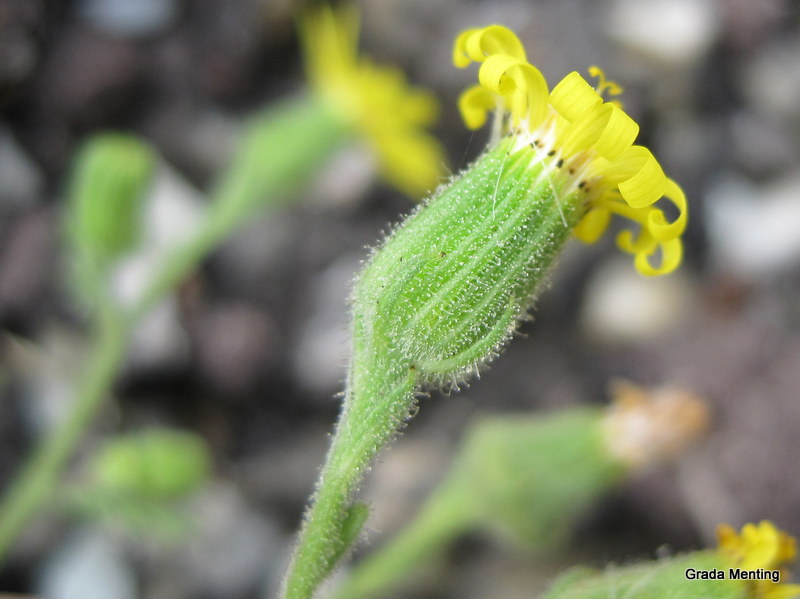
<point x="377" y="403"/>
<point x="443" y="516"/>
<point x="280" y="150"/>
<point x="36" y="482"/>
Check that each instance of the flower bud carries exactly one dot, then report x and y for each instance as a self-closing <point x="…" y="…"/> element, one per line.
<point x="111" y="177"/>
<point x="157" y="464"/>
<point x="750" y="565"/>
<point x="447" y="289"/>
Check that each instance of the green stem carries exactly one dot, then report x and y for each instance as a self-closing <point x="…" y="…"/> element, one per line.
<point x="39" y="477"/>
<point x="281" y="149"/>
<point x="377" y="404"/>
<point x="445" y="515"/>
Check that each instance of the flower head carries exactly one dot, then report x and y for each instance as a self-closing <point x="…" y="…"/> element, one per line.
<point x="760" y="546"/>
<point x="584" y="136"/>
<point x="376" y="100"/>
<point x="644" y="426"/>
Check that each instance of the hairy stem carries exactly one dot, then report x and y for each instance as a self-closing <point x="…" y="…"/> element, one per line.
<point x="444" y="516"/>
<point x="376" y="405"/>
<point x="39" y="476"/>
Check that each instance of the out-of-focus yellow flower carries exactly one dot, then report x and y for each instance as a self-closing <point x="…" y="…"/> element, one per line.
<point x="760" y="546"/>
<point x="584" y="136"/>
<point x="646" y="426"/>
<point x="376" y="100"/>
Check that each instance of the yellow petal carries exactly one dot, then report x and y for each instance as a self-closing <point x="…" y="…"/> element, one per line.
<point x="592" y="225"/>
<point x="641" y="243"/>
<point x="780" y="591"/>
<point x="475" y="45"/>
<point x="474" y="103"/>
<point x="618" y="135"/>
<point x="604" y="84"/>
<point x="657" y="223"/>
<point x="647" y="183"/>
<point x="522" y="86"/>
<point x="671" y="256"/>
<point x="460" y="57"/>
<point x="573" y="95"/>
<point x="605" y="128"/>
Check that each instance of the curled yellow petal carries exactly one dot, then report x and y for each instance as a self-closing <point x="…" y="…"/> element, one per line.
<point x="520" y="84"/>
<point x="474" y="104"/>
<point x="645" y="182"/>
<point x="671" y="257"/>
<point x="631" y="243"/>
<point x="460" y="57"/>
<point x="604" y="128"/>
<point x="592" y="225"/>
<point x="618" y="134"/>
<point x="573" y="96"/>
<point x="475" y="45"/>
<point x="657" y="223"/>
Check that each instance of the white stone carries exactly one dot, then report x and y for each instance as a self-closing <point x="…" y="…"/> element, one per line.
<point x="623" y="306"/>
<point x="172" y="214"/>
<point x="320" y="358"/>
<point x="129" y="17"/>
<point x="753" y="230"/>
<point x="87" y="566"/>
<point x="676" y="31"/>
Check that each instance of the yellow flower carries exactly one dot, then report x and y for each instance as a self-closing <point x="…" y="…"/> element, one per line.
<point x="375" y="100"/>
<point x="584" y="136"/>
<point x="761" y="546"/>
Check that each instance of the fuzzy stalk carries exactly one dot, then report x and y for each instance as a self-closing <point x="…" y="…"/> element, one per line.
<point x="377" y="403"/>
<point x="39" y="477"/>
<point x="445" y="515"/>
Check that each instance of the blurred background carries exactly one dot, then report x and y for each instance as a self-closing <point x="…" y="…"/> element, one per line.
<point x="251" y="351"/>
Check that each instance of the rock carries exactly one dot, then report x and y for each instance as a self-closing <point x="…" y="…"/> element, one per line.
<point x="129" y="18"/>
<point x="770" y="80"/>
<point x="622" y="306"/>
<point x="28" y="268"/>
<point x="172" y="214"/>
<point x="234" y="345"/>
<point x="88" y="565"/>
<point x="322" y="349"/>
<point x="752" y="229"/>
<point x="673" y="31"/>
<point x="232" y="552"/>
<point x="23" y="182"/>
<point x="20" y="27"/>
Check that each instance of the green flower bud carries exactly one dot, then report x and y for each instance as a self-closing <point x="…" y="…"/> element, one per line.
<point x="747" y="565"/>
<point x="158" y="464"/>
<point x="111" y="176"/>
<point x="527" y="479"/>
<point x="281" y="149"/>
<point x="681" y="577"/>
<point x="449" y="286"/>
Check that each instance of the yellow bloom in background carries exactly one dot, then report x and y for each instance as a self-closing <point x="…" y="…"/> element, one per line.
<point x="581" y="134"/>
<point x="375" y="100"/>
<point x="760" y="546"/>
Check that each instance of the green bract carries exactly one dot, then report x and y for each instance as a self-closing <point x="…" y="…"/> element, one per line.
<point x="449" y="286"/>
<point x="681" y="577"/>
